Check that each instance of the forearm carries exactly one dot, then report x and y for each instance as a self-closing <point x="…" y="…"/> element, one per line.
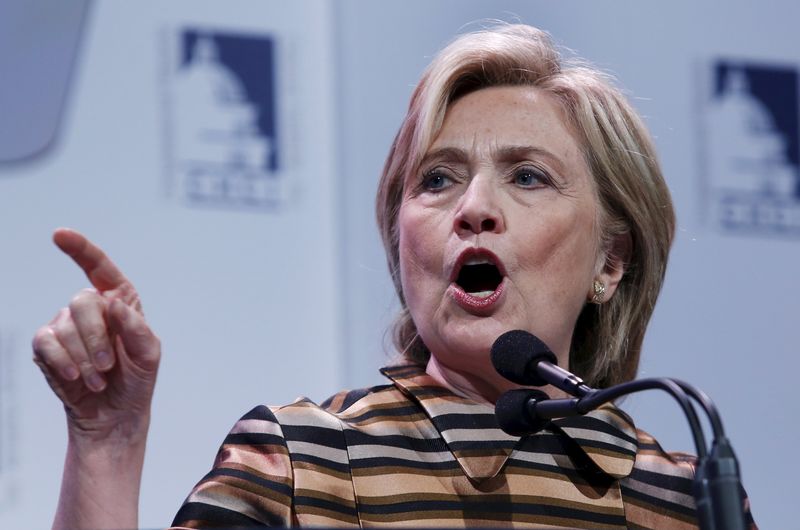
<point x="100" y="486"/>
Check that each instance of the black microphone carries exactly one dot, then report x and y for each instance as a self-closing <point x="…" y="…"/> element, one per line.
<point x="515" y="411"/>
<point x="522" y="411"/>
<point x="522" y="358"/>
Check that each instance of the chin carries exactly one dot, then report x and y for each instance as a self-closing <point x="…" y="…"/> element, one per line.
<point x="468" y="342"/>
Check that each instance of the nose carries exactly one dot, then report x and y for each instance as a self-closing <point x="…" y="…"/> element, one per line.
<point x="479" y="209"/>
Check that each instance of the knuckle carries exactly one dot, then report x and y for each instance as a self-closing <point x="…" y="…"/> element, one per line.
<point x="44" y="357"/>
<point x="85" y="366"/>
<point x="127" y="293"/>
<point x="63" y="328"/>
<point x="46" y="364"/>
<point x="84" y="298"/>
<point x="40" y="340"/>
<point x="92" y="348"/>
<point x="141" y="334"/>
<point x="78" y="301"/>
<point x="94" y="340"/>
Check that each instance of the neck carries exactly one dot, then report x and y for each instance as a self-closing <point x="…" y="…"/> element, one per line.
<point x="479" y="389"/>
<point x="461" y="383"/>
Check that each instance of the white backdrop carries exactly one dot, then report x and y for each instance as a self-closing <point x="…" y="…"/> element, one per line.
<point x="246" y="301"/>
<point x="262" y="306"/>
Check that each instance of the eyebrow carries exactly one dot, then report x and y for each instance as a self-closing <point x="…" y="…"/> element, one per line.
<point x="508" y="153"/>
<point x="513" y="153"/>
<point x="445" y="153"/>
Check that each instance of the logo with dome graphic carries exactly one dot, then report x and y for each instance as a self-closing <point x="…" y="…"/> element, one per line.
<point x="223" y="146"/>
<point x="752" y="150"/>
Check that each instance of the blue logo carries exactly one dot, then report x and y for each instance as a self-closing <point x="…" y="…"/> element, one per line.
<point x="223" y="131"/>
<point x="752" y="149"/>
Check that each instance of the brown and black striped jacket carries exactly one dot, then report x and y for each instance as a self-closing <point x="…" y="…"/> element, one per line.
<point x="412" y="453"/>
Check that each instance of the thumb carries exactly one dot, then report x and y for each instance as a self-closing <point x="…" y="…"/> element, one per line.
<point x="141" y="344"/>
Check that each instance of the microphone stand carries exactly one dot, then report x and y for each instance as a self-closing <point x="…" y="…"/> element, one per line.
<point x="717" y="487"/>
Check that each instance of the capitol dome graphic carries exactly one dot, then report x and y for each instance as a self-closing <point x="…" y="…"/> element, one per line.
<point x="222" y="154"/>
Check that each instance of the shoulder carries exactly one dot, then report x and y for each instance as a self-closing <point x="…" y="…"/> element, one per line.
<point x="303" y="412"/>
<point x="304" y="421"/>
<point x="654" y="462"/>
<point x="340" y="402"/>
<point x="660" y="486"/>
<point x="658" y="491"/>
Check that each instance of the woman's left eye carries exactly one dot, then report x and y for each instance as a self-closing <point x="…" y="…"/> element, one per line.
<point x="529" y="177"/>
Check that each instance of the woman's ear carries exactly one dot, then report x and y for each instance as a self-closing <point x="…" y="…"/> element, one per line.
<point x="612" y="268"/>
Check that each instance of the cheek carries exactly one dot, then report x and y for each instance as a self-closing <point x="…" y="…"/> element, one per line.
<point x="420" y="250"/>
<point x="412" y="247"/>
<point x="566" y="245"/>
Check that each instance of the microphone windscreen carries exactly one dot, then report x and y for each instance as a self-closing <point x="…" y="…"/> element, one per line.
<point x="515" y="354"/>
<point x="511" y="410"/>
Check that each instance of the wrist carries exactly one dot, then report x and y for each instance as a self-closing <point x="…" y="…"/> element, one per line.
<point x="115" y="452"/>
<point x="114" y="434"/>
<point x="100" y="486"/>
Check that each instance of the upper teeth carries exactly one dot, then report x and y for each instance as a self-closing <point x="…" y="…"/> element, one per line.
<point x="478" y="261"/>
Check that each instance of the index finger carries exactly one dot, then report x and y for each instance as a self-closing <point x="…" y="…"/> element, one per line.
<point x="98" y="267"/>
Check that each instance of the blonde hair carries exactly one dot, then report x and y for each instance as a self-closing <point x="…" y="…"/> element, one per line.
<point x="634" y="199"/>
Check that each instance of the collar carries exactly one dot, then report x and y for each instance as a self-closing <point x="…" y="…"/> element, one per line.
<point x="606" y="436"/>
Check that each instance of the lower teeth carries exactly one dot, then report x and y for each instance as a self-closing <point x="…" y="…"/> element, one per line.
<point x="482" y="294"/>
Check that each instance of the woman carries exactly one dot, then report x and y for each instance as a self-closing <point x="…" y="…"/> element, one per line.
<point x="520" y="193"/>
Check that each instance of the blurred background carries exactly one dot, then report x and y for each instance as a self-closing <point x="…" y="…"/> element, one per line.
<point x="226" y="155"/>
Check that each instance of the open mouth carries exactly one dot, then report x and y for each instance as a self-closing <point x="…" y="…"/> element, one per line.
<point x="480" y="279"/>
<point x="479" y="273"/>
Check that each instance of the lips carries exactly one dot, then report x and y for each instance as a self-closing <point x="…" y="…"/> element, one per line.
<point x="477" y="281"/>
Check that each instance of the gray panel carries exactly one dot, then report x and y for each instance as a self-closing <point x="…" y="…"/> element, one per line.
<point x="39" y="40"/>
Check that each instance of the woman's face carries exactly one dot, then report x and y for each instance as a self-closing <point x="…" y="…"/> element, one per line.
<point x="498" y="229"/>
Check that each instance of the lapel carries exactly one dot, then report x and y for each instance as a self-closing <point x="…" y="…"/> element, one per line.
<point x="606" y="436"/>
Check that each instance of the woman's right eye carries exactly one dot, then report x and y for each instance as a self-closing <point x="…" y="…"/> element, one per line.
<point x="435" y="180"/>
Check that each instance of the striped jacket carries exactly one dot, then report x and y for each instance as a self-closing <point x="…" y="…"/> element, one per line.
<point x="412" y="453"/>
